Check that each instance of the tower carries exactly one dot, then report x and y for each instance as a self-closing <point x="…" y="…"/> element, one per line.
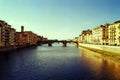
<point x="22" y="28"/>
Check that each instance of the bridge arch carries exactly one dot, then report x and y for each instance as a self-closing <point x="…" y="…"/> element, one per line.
<point x="64" y="42"/>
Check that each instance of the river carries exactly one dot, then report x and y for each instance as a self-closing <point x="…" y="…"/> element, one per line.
<point x="57" y="63"/>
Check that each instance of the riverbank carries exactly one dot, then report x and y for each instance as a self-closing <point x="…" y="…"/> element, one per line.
<point x="111" y="51"/>
<point x="7" y="49"/>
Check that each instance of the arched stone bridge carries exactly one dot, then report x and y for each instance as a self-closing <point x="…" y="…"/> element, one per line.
<point x="64" y="42"/>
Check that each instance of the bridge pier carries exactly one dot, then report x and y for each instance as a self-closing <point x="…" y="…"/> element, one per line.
<point x="49" y="44"/>
<point x="76" y="44"/>
<point x="64" y="44"/>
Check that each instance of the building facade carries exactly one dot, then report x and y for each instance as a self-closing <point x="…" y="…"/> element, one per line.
<point x="85" y="37"/>
<point x="88" y="36"/>
<point x="114" y="33"/>
<point x="105" y="34"/>
<point x="98" y="35"/>
<point x="7" y="35"/>
<point x="31" y="38"/>
<point x="26" y="38"/>
<point x="12" y="37"/>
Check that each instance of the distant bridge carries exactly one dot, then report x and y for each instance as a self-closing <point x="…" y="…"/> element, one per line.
<point x="64" y="42"/>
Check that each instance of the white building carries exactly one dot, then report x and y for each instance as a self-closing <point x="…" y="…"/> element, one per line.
<point x="97" y="35"/>
<point x="114" y="33"/>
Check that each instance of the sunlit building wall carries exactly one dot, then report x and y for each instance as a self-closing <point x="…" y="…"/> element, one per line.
<point x="114" y="33"/>
<point x="97" y="35"/>
<point x="85" y="37"/>
<point x="89" y="36"/>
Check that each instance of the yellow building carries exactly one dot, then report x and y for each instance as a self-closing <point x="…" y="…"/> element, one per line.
<point x="88" y="36"/>
<point x="85" y="37"/>
<point x="98" y="34"/>
<point x="114" y="33"/>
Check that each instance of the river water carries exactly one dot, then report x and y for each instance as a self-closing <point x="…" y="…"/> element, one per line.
<point x="57" y="63"/>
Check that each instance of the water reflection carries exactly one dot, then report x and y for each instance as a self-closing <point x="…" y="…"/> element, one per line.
<point x="57" y="63"/>
<point x="4" y="56"/>
<point x="101" y="67"/>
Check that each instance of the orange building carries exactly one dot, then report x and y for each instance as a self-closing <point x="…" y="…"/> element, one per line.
<point x="31" y="38"/>
<point x="7" y="35"/>
<point x="26" y="38"/>
<point x="20" y="39"/>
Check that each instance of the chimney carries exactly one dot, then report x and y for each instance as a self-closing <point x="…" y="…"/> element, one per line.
<point x="22" y="28"/>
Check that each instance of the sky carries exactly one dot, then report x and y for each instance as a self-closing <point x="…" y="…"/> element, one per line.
<point x="59" y="19"/>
